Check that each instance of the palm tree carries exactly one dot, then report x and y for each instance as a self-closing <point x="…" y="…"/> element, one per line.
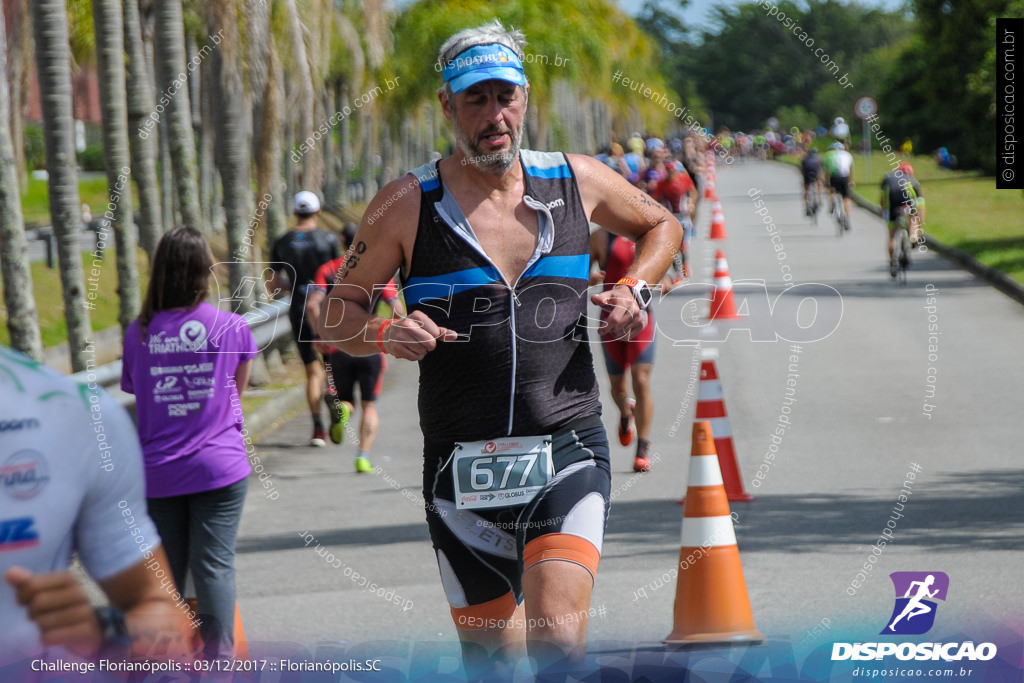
<point x="19" y="61"/>
<point x="143" y="142"/>
<point x="232" y="141"/>
<point x="53" y="69"/>
<point x="108" y="27"/>
<point x="22" y="320"/>
<point x="173" y="103"/>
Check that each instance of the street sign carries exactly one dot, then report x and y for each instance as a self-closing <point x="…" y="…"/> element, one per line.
<point x="865" y="107"/>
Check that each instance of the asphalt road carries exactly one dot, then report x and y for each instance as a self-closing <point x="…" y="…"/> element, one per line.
<point x="860" y="421"/>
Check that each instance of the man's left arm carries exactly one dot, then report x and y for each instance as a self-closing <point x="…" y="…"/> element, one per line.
<point x="611" y="202"/>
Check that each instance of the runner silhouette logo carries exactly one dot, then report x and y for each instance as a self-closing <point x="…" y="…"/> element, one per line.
<point x="916" y="593"/>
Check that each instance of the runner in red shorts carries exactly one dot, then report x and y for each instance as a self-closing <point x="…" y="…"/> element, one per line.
<point x="345" y="371"/>
<point x="612" y="257"/>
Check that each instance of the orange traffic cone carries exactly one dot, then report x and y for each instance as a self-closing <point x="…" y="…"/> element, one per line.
<point x="711" y="407"/>
<point x="712" y="605"/>
<point x="723" y="305"/>
<point x="241" y="649"/>
<point x="709" y="188"/>
<point x="717" y="223"/>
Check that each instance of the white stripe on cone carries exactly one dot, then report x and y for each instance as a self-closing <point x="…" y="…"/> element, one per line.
<point x="710" y="390"/>
<point x="704" y="471"/>
<point x="712" y="532"/>
<point x="720" y="426"/>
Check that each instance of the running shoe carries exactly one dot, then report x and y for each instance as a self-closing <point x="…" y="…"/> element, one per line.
<point x="893" y="267"/>
<point x="319" y="438"/>
<point x="363" y="465"/>
<point x="340" y="413"/>
<point x="642" y="463"/>
<point x="627" y="426"/>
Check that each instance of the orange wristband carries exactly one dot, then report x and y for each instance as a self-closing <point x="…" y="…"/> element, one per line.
<point x="380" y="334"/>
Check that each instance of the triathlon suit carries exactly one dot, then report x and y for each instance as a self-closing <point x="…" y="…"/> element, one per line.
<point x="521" y="367"/>
<point x="71" y="480"/>
<point x="810" y="167"/>
<point x="839" y="163"/>
<point x="301" y="253"/>
<point x="620" y="354"/>
<point x="347" y="371"/>
<point x="907" y="194"/>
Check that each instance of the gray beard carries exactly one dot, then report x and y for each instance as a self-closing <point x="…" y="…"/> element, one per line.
<point x="496" y="163"/>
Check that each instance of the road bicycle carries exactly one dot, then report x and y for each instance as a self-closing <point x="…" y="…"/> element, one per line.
<point x="901" y="255"/>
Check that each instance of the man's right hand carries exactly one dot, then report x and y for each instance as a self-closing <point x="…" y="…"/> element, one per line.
<point x="415" y="336"/>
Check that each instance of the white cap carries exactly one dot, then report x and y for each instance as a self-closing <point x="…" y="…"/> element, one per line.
<point x="306" y="202"/>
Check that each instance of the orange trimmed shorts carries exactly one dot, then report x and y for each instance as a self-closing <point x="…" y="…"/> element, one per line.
<point x="482" y="554"/>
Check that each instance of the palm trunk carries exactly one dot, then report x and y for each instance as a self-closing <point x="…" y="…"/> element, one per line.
<point x="19" y="57"/>
<point x="173" y="103"/>
<point x="143" y="140"/>
<point x="232" y="145"/>
<point x="344" y="144"/>
<point x="109" y="28"/>
<point x="270" y="152"/>
<point x="53" y="69"/>
<point x="22" y="320"/>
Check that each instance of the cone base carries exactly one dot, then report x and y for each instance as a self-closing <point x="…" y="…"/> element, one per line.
<point x="752" y="636"/>
<point x="739" y="497"/>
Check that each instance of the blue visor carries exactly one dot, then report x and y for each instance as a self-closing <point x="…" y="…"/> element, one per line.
<point x="484" y="63"/>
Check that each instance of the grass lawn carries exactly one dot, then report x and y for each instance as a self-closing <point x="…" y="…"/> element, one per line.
<point x="35" y="203"/>
<point x="50" y="298"/>
<point x="964" y="210"/>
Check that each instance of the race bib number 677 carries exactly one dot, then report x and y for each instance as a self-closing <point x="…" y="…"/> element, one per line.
<point x="501" y="472"/>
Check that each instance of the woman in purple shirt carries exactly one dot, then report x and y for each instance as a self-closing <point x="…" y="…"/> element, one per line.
<point x="187" y="362"/>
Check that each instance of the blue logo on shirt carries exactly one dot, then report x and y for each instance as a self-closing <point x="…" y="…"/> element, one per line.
<point x="18" y="533"/>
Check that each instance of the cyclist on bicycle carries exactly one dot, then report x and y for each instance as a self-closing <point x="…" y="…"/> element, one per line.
<point x="810" y="168"/>
<point x="838" y="164"/>
<point x="900" y="189"/>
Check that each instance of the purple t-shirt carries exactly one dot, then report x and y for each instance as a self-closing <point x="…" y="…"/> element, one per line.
<point x="190" y="416"/>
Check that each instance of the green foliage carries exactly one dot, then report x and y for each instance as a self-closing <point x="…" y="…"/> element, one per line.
<point x="930" y="90"/>
<point x="751" y="64"/>
<point x="35" y="146"/>
<point x="796" y="116"/>
<point x="91" y="158"/>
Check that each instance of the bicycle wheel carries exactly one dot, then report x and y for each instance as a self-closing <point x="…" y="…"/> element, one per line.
<point x="904" y="255"/>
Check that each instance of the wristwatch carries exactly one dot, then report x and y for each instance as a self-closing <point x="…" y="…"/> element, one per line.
<point x="641" y="292"/>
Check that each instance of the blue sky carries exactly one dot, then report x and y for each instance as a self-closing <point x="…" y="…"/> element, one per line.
<point x="696" y="13"/>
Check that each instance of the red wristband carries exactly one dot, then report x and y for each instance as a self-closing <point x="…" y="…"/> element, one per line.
<point x="380" y="334"/>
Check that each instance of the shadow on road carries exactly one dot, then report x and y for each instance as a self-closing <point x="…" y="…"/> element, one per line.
<point x="964" y="511"/>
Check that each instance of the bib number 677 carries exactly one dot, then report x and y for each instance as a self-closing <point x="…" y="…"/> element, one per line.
<point x="482" y="478"/>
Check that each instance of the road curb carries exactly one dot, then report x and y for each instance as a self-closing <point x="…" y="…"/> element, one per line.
<point x="276" y="411"/>
<point x="1001" y="281"/>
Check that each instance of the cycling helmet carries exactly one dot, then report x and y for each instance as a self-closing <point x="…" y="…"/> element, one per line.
<point x="839" y="120"/>
<point x="814" y="150"/>
<point x="836" y="145"/>
<point x="906" y="168"/>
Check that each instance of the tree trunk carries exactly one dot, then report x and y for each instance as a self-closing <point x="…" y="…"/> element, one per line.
<point x="143" y="140"/>
<point x="344" y="145"/>
<point x="109" y="29"/>
<point x="22" y="319"/>
<point x="53" y="69"/>
<point x="232" y="146"/>
<point x="207" y="171"/>
<point x="368" y="162"/>
<point x="270" y="152"/>
<point x="305" y="97"/>
<point x="173" y="102"/>
<point x="19" y="60"/>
